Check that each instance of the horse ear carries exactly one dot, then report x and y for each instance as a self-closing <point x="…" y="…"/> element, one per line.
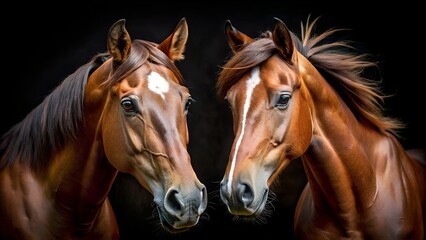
<point x="174" y="45"/>
<point x="119" y="42"/>
<point x="236" y="39"/>
<point x="282" y="39"/>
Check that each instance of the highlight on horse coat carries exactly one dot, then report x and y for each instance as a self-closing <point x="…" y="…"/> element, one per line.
<point x="125" y="110"/>
<point x="307" y="99"/>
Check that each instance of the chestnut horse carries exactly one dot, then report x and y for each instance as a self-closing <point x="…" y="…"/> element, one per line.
<point x="125" y="110"/>
<point x="296" y="98"/>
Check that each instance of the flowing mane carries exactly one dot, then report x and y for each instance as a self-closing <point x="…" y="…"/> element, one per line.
<point x="50" y="124"/>
<point x="57" y="119"/>
<point x="341" y="68"/>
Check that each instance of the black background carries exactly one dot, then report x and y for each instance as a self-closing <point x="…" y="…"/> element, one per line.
<point x="43" y="44"/>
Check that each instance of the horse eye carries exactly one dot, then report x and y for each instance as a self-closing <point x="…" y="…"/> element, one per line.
<point x="188" y="103"/>
<point x="128" y="105"/>
<point x="283" y="100"/>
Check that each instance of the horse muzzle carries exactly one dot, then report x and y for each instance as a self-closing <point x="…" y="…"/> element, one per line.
<point x="179" y="211"/>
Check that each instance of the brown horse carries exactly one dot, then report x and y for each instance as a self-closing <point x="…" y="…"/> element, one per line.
<point x="125" y="110"/>
<point x="295" y="98"/>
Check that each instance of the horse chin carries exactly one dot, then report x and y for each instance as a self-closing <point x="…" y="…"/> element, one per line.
<point x="166" y="223"/>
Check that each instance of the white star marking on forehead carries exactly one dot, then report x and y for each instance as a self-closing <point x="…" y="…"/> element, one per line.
<point x="157" y="84"/>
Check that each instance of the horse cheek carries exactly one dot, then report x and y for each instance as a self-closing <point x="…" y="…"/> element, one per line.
<point x="113" y="141"/>
<point x="300" y="130"/>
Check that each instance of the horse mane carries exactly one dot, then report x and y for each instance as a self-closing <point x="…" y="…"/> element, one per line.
<point x="58" y="118"/>
<point x="334" y="60"/>
<point x="51" y="123"/>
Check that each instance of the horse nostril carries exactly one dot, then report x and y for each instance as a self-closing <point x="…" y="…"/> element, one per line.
<point x="245" y="194"/>
<point x="172" y="203"/>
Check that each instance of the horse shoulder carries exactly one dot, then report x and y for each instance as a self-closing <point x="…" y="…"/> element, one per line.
<point x="401" y="183"/>
<point x="22" y="201"/>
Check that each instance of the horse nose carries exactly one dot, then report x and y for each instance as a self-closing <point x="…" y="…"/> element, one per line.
<point x="245" y="194"/>
<point x="184" y="206"/>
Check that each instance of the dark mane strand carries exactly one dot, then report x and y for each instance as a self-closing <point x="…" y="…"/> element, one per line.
<point x="50" y="124"/>
<point x="344" y="69"/>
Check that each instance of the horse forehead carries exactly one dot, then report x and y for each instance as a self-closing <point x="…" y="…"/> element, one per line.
<point x="276" y="71"/>
<point x="156" y="81"/>
<point x="272" y="73"/>
<point x="252" y="79"/>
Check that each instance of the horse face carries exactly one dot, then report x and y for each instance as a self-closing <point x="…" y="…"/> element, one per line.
<point x="272" y="126"/>
<point x="144" y="132"/>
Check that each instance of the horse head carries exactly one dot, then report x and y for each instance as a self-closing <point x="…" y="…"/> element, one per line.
<point x="143" y="123"/>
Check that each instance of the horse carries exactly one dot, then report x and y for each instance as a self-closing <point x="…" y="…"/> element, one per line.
<point x="123" y="111"/>
<point x="307" y="98"/>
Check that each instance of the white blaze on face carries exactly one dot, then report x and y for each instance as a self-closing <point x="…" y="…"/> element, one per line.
<point x="252" y="82"/>
<point x="158" y="84"/>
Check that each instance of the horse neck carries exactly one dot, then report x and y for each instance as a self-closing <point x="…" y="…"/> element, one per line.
<point x="84" y="172"/>
<point x="337" y="162"/>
